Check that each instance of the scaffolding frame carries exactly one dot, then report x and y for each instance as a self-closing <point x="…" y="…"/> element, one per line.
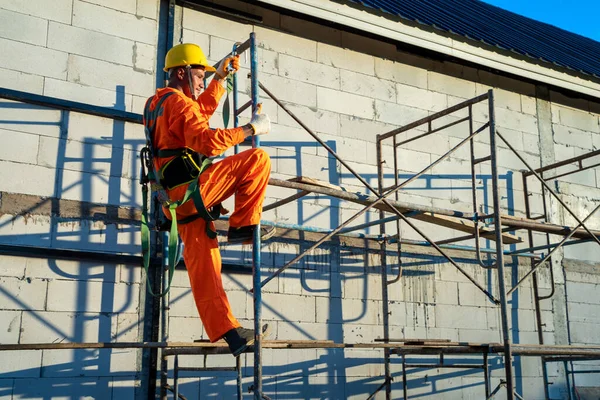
<point x="403" y="212"/>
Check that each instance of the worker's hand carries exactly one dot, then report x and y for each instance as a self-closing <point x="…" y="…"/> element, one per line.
<point x="227" y="65"/>
<point x="261" y="124"/>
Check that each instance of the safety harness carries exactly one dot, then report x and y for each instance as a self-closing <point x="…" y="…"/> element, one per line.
<point x="184" y="169"/>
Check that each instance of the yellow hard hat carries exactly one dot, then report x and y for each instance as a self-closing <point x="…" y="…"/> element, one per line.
<point x="186" y="54"/>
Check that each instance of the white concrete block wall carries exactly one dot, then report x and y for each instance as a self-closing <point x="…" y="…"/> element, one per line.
<point x="104" y="53"/>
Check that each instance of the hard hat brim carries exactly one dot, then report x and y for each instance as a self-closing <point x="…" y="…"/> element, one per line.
<point x="207" y="68"/>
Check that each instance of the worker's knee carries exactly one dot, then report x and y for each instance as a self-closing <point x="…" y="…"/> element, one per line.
<point x="261" y="157"/>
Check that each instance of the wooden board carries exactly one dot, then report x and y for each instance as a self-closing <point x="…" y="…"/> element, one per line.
<point x="437" y="216"/>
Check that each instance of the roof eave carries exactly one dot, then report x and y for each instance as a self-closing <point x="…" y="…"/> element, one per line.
<point x="381" y="26"/>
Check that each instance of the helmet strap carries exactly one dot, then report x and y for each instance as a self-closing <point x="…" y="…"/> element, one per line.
<point x="188" y="69"/>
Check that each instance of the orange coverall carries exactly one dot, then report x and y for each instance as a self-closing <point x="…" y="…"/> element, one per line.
<point x="184" y="123"/>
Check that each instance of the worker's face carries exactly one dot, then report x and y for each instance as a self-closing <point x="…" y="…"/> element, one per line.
<point x="197" y="81"/>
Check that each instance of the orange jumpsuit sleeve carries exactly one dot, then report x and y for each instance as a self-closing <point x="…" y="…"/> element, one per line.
<point x="210" y="97"/>
<point x="192" y="124"/>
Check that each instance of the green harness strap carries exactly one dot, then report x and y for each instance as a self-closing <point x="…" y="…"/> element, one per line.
<point x="192" y="193"/>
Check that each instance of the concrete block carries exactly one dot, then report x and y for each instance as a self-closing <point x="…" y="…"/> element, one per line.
<point x="413" y="161"/>
<point x="507" y="99"/>
<point x="367" y="86"/>
<point x="420" y="315"/>
<point x="23" y="364"/>
<point x="16" y="80"/>
<point x="109" y="76"/>
<point x="582" y="292"/>
<point x="470" y="295"/>
<point x="345" y="59"/>
<point x="449" y="85"/>
<point x="23" y="28"/>
<point x="286" y="307"/>
<point x="366" y="285"/>
<point x="186" y="329"/>
<point x="82" y="296"/>
<point x="305" y="331"/>
<point x="531" y="143"/>
<point x="37" y="60"/>
<point x="53" y="327"/>
<point x="15" y="143"/>
<point x="316" y="282"/>
<point x="397" y="114"/>
<point x="448" y="316"/>
<point x="126" y="327"/>
<point x="582" y="312"/>
<point x="355" y="388"/>
<point x="345" y="103"/>
<point x="22" y="294"/>
<point x="446" y="292"/>
<point x="88" y="363"/>
<point x="516" y="121"/>
<point x="225" y="387"/>
<point x="360" y="128"/>
<point x="466" y="334"/>
<point x="572" y="136"/>
<point x="579" y="119"/>
<point x="144" y="57"/>
<point x="182" y="303"/>
<point x="39" y="268"/>
<point x="401" y="73"/>
<point x="33" y="231"/>
<point x="315" y="119"/>
<point x="293" y="362"/>
<point x="114" y="22"/>
<point x="366" y="363"/>
<point x="291" y="91"/>
<point x="123" y="388"/>
<point x="367" y="312"/>
<point x="81" y="157"/>
<point x="310" y="72"/>
<point x="60" y="11"/>
<point x="10" y="326"/>
<point x="89" y="95"/>
<point x="147" y="8"/>
<point x="284" y="43"/>
<point x="199" y="38"/>
<point x="91" y="44"/>
<point x="94" y="188"/>
<point x="128" y="6"/>
<point x="361" y="333"/>
<point x="421" y="98"/>
<point x="204" y="22"/>
<point x="528" y="105"/>
<point x="12" y="266"/>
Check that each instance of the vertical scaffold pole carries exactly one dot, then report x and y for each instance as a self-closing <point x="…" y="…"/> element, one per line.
<point x="236" y="118"/>
<point x="164" y="314"/>
<point x="256" y="278"/>
<point x="236" y="123"/>
<point x="384" y="279"/>
<point x="499" y="251"/>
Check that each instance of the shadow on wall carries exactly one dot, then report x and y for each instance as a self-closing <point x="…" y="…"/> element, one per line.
<point x="88" y="302"/>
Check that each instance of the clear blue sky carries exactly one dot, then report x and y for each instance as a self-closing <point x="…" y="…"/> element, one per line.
<point x="578" y="16"/>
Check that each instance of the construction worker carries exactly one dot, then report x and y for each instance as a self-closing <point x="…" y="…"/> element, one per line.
<point x="182" y="142"/>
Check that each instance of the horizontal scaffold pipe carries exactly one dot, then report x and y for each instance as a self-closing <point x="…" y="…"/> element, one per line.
<point x="461" y="221"/>
<point x="398" y="348"/>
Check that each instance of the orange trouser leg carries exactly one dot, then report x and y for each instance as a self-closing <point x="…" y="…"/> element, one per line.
<point x="246" y="175"/>
<point x="203" y="263"/>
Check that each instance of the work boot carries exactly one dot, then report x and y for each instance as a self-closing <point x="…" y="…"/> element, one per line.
<point x="245" y="234"/>
<point x="240" y="339"/>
